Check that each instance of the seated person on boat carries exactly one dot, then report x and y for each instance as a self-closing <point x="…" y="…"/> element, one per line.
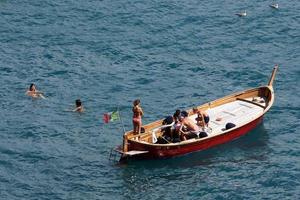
<point x="170" y="133"/>
<point x="189" y="124"/>
<point x="176" y="126"/>
<point x="200" y="116"/>
<point x="167" y="131"/>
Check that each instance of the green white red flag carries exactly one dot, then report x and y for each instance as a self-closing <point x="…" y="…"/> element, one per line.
<point x="111" y="116"/>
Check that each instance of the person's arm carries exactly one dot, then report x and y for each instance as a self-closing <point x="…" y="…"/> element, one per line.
<point x="41" y="95"/>
<point x="202" y="121"/>
<point x="181" y="129"/>
<point x="32" y="94"/>
<point x="38" y="92"/>
<point x="77" y="109"/>
<point x="182" y="133"/>
<point x="141" y="111"/>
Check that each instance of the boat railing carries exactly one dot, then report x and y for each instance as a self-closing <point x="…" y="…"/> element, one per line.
<point x="148" y="131"/>
<point x="154" y="138"/>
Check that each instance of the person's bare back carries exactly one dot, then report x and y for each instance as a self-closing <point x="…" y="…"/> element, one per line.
<point x="190" y="124"/>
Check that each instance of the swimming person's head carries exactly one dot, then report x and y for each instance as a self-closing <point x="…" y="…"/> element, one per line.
<point x="78" y="103"/>
<point x="136" y="102"/>
<point x="32" y="87"/>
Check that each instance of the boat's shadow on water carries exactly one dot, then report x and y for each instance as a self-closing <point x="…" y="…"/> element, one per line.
<point x="251" y="147"/>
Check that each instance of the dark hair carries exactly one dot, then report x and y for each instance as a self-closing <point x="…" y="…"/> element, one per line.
<point x="168" y="120"/>
<point x="176" y="113"/>
<point x="184" y="113"/>
<point x="30" y="87"/>
<point x="78" y="103"/>
<point x="136" y="102"/>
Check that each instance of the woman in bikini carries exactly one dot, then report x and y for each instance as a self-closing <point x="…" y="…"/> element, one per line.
<point x="137" y="116"/>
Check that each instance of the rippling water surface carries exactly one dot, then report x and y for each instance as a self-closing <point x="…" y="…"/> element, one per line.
<point x="170" y="54"/>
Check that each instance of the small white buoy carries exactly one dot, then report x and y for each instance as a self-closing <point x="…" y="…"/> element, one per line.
<point x="242" y="14"/>
<point x="275" y="6"/>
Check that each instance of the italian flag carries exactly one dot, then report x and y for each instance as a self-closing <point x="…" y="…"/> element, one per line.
<point x="111" y="116"/>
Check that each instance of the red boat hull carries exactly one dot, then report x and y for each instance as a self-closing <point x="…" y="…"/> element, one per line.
<point x="159" y="152"/>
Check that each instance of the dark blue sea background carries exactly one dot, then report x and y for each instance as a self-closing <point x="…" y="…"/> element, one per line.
<point x="171" y="54"/>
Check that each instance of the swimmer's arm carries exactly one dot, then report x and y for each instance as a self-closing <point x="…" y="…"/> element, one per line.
<point x="30" y="93"/>
<point x="38" y="92"/>
<point x="78" y="109"/>
<point x="42" y="96"/>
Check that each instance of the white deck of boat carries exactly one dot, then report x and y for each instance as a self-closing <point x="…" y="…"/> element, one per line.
<point x="237" y="112"/>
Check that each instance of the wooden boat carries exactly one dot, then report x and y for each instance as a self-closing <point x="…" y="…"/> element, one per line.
<point x="243" y="109"/>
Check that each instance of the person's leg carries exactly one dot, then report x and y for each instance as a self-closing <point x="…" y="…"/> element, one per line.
<point x="182" y="137"/>
<point x="134" y="127"/>
<point x="139" y="126"/>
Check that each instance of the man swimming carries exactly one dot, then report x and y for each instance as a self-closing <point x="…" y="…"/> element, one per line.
<point x="33" y="92"/>
<point x="79" y="106"/>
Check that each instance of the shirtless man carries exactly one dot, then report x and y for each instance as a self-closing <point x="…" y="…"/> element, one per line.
<point x="33" y="92"/>
<point x="201" y="114"/>
<point x="188" y="123"/>
<point x="79" y="106"/>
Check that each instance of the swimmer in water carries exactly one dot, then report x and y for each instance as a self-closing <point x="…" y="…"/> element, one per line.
<point x="34" y="93"/>
<point x="79" y="106"/>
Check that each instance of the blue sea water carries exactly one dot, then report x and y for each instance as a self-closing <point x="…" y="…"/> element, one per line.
<point x="171" y="54"/>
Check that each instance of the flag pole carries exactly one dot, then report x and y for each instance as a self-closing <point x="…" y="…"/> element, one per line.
<point x="125" y="140"/>
<point x="121" y="120"/>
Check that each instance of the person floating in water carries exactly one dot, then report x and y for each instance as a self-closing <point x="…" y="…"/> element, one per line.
<point x="79" y="106"/>
<point x="33" y="92"/>
<point x="137" y="116"/>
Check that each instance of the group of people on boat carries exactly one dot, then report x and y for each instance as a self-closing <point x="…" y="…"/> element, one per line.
<point x="184" y="127"/>
<point x="181" y="126"/>
<point x="34" y="93"/>
<point x="178" y="127"/>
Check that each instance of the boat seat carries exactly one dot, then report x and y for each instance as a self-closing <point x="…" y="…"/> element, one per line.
<point x="230" y="113"/>
<point x="215" y="122"/>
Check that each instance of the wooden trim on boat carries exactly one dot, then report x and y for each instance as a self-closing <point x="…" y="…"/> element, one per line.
<point x="273" y="75"/>
<point x="248" y="101"/>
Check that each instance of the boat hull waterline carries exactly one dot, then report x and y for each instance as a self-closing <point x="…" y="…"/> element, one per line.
<point x="162" y="152"/>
